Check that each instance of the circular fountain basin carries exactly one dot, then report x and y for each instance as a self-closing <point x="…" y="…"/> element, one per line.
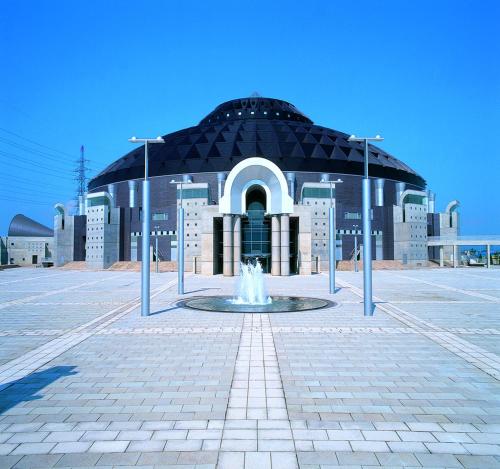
<point x="279" y="304"/>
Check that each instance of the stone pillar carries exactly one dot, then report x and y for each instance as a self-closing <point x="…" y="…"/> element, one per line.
<point x="431" y="202"/>
<point x="131" y="193"/>
<point x="285" y="244"/>
<point x="379" y="192"/>
<point x="275" y="245"/>
<point x="112" y="193"/>
<point x="227" y="245"/>
<point x="400" y="188"/>
<point x="221" y="177"/>
<point x="290" y="177"/>
<point x="488" y="254"/>
<point x="455" y="256"/>
<point x="441" y="256"/>
<point x="236" y="245"/>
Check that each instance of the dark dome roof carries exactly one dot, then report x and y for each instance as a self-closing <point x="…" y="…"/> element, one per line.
<point x="266" y="127"/>
<point x="24" y="226"/>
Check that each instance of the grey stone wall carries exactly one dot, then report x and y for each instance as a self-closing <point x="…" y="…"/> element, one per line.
<point x="103" y="235"/>
<point x="24" y="251"/>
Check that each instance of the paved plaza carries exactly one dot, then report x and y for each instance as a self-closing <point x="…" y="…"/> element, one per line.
<point x="85" y="381"/>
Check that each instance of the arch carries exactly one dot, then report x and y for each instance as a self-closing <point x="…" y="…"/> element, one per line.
<point x="256" y="171"/>
<point x="59" y="208"/>
<point x="415" y="197"/>
<point x="255" y="192"/>
<point x="452" y="206"/>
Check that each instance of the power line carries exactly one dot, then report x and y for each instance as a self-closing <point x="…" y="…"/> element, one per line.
<point x="36" y="143"/>
<point x="31" y="162"/>
<point x="33" y="202"/>
<point x="42" y="169"/>
<point x="45" y="155"/>
<point x="27" y="182"/>
<point x="32" y="191"/>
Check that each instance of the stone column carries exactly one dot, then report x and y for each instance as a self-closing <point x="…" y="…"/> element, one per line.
<point x="441" y="256"/>
<point x="488" y="254"/>
<point x="236" y="244"/>
<point x="131" y="193"/>
<point x="227" y="245"/>
<point x="275" y="245"/>
<point x="455" y="256"/>
<point x="285" y="244"/>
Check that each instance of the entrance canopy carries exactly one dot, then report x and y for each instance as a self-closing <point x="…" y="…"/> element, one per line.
<point x="256" y="172"/>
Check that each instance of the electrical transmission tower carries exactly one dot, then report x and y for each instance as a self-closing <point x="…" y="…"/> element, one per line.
<point x="81" y="175"/>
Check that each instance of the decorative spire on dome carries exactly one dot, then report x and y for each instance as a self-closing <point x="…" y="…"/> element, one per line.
<point x="255" y="107"/>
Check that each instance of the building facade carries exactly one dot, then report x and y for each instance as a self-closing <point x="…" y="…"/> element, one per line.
<point x="28" y="243"/>
<point x="258" y="177"/>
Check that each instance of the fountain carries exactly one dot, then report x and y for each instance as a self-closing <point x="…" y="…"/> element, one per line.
<point x="251" y="297"/>
<point x="251" y="289"/>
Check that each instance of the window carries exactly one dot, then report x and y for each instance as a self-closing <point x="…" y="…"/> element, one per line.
<point x="160" y="216"/>
<point x="317" y="192"/>
<point x="352" y="216"/>
<point x="201" y="193"/>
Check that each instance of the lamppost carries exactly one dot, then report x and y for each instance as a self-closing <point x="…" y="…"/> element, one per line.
<point x="146" y="215"/>
<point x="180" y="240"/>
<point x="156" y="248"/>
<point x="332" y="242"/>
<point x="367" y="229"/>
<point x="355" y="247"/>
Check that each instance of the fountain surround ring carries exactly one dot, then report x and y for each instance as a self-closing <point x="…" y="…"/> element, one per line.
<point x="279" y="304"/>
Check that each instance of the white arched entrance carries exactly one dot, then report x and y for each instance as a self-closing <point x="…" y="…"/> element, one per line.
<point x="271" y="229"/>
<point x="251" y="172"/>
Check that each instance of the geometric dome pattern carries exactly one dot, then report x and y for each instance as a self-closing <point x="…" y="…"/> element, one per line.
<point x="263" y="127"/>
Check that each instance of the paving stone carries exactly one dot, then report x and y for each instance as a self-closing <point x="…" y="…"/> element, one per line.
<point x="357" y="458"/>
<point x="109" y="446"/>
<point x="478" y="462"/>
<point x="71" y="447"/>
<point x="119" y="459"/>
<point x="38" y="461"/>
<point x="33" y="448"/>
<point x="438" y="460"/>
<point x="397" y="459"/>
<point x="78" y="460"/>
<point x="257" y="460"/>
<point x="231" y="460"/>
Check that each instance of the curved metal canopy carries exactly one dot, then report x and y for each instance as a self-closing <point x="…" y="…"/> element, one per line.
<point x="21" y="225"/>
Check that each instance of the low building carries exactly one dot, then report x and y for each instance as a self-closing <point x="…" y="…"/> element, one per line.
<point x="29" y="243"/>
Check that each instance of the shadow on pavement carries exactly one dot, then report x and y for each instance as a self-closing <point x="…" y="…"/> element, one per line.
<point x="26" y="389"/>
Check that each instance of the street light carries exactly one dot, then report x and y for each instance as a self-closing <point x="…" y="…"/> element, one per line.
<point x="367" y="229"/>
<point x="156" y="248"/>
<point x="332" y="242"/>
<point x="180" y="241"/>
<point x="146" y="215"/>
<point x="355" y="247"/>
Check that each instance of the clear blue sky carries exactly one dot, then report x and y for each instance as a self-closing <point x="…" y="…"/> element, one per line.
<point x="425" y="75"/>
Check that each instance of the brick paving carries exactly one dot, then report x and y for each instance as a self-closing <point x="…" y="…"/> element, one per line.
<point x="86" y="382"/>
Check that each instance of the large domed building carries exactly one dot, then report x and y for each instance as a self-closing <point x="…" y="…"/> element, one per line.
<point x="256" y="176"/>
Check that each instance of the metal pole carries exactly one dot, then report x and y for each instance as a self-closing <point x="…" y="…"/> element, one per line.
<point x="156" y="248"/>
<point x="180" y="248"/>
<point x="355" y="253"/>
<point x="367" y="245"/>
<point x="331" y="244"/>
<point x="145" y="238"/>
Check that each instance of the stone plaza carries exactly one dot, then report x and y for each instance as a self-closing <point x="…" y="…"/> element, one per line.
<point x="85" y="381"/>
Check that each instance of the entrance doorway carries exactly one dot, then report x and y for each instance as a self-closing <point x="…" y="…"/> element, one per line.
<point x="256" y="230"/>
